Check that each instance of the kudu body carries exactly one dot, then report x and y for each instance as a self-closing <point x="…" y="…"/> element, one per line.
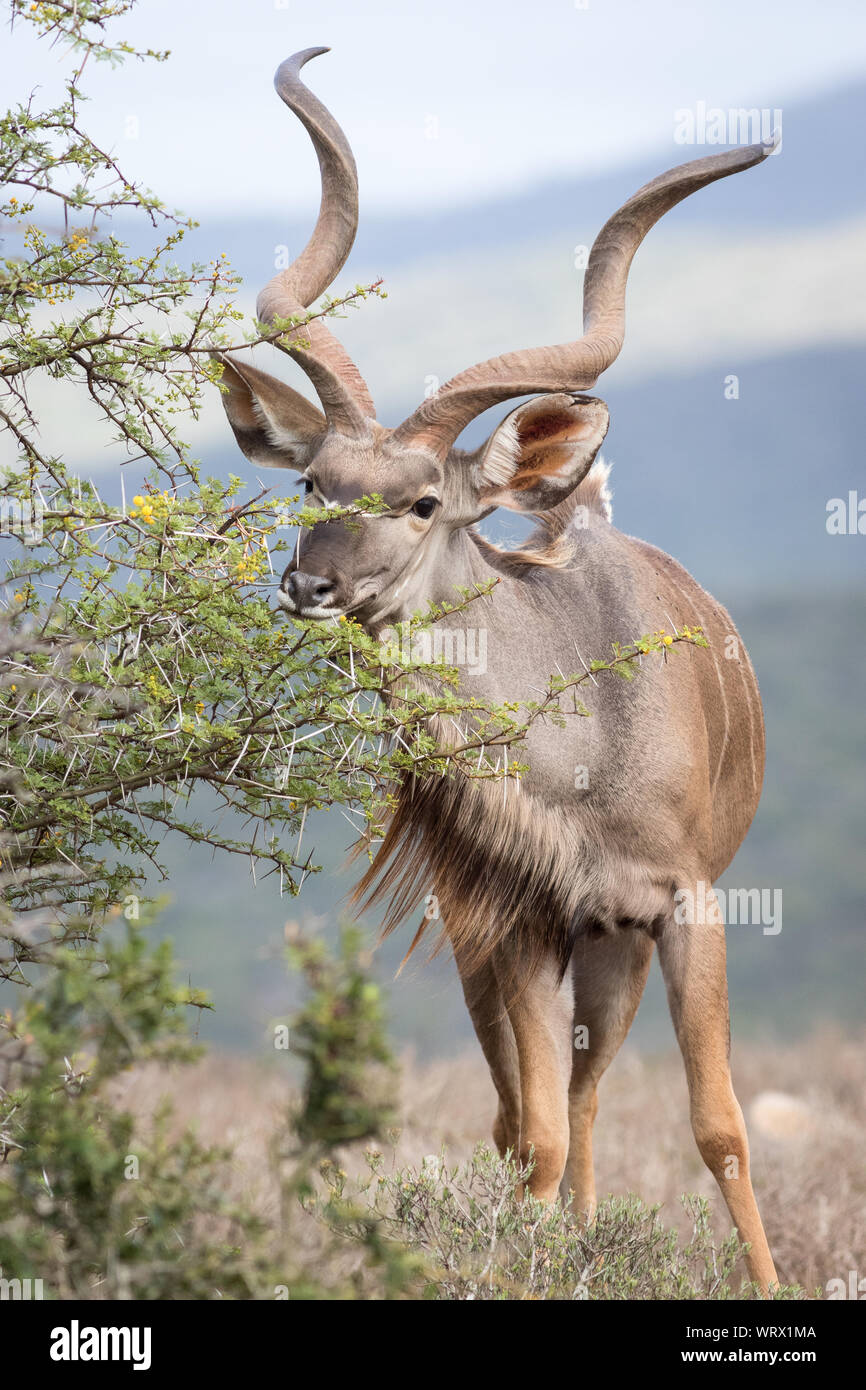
<point x="552" y="894"/>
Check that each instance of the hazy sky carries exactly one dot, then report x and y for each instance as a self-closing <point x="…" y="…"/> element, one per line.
<point x="444" y="101"/>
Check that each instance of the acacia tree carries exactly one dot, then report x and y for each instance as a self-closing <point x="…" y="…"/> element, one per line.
<point x="142" y="657"/>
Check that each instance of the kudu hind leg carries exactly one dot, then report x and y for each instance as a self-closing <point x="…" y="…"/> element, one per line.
<point x="609" y="973"/>
<point x="692" y="958"/>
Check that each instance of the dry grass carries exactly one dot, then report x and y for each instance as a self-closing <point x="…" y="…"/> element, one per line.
<point x="805" y="1103"/>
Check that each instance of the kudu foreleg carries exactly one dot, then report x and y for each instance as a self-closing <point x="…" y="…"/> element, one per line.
<point x="692" y="958"/>
<point x="540" y="1011"/>
<point x="609" y="973"/>
<point x="495" y="1034"/>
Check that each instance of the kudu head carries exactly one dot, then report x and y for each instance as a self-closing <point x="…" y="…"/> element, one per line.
<point x="378" y="567"/>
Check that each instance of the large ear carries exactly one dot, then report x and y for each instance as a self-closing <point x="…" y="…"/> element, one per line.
<point x="273" y="424"/>
<point x="540" y="452"/>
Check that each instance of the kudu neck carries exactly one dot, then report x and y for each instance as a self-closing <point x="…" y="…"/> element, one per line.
<point x="460" y="564"/>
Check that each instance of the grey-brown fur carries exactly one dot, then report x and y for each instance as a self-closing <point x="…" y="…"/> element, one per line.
<point x="671" y="789"/>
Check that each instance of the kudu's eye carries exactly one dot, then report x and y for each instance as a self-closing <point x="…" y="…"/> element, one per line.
<point x="425" y="506"/>
<point x="308" y="486"/>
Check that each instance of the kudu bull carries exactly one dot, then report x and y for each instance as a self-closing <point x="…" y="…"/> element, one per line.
<point x="562" y="890"/>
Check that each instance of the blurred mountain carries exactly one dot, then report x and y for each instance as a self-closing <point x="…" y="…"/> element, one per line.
<point x="737" y="489"/>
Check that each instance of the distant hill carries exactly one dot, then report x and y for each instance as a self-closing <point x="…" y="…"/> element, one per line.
<point x="737" y="489"/>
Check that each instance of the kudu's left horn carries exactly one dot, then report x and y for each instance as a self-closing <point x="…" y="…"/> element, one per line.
<point x="341" y="389"/>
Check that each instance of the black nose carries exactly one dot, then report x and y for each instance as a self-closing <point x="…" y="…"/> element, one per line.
<point x="308" y="590"/>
